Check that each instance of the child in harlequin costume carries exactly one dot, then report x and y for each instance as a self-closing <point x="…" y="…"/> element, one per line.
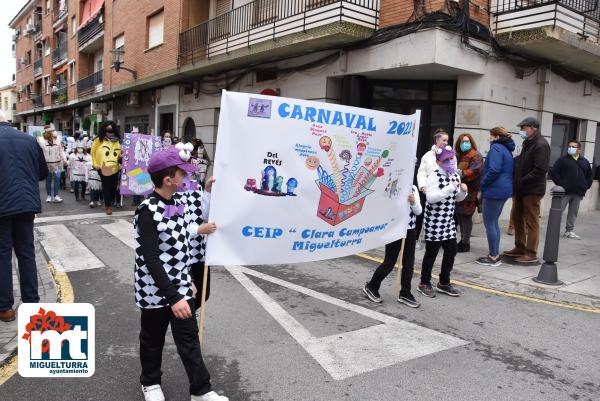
<point x="392" y="251"/>
<point x="94" y="185"/>
<point x="444" y="189"/>
<point x="78" y="162"/>
<point x="163" y="230"/>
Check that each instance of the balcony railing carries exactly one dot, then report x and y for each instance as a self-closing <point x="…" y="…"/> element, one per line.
<point x="59" y="14"/>
<point x="263" y="20"/>
<point x="37" y="101"/>
<point x="578" y="16"/>
<point x="59" y="54"/>
<point x="90" y="84"/>
<point x="90" y="30"/>
<point x="59" y="95"/>
<point x="37" y="67"/>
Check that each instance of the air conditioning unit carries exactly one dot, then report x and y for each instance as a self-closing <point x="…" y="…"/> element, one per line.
<point x="133" y="99"/>
<point x="15" y="37"/>
<point x="22" y="60"/>
<point x="29" y="28"/>
<point x="21" y="88"/>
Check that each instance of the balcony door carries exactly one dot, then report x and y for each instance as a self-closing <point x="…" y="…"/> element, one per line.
<point x="265" y="12"/>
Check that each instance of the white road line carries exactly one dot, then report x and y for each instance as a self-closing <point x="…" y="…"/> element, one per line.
<point x="122" y="230"/>
<point x="71" y="217"/>
<point x="65" y="251"/>
<point x="349" y="354"/>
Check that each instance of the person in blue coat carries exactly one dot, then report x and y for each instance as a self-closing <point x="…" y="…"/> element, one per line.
<point x="496" y="188"/>
<point x="22" y="166"/>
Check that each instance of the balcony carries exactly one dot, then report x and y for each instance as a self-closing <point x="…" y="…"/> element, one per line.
<point x="91" y="84"/>
<point x="59" y="95"/>
<point x="37" y="101"/>
<point x="271" y="26"/>
<point x="37" y="67"/>
<point x="59" y="55"/>
<point x="560" y="31"/>
<point x="59" y="14"/>
<point x="90" y="36"/>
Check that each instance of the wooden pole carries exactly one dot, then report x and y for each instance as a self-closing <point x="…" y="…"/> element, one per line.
<point x="399" y="265"/>
<point x="202" y="305"/>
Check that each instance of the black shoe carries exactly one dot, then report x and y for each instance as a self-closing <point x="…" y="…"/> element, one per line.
<point x="447" y="289"/>
<point x="427" y="290"/>
<point x="372" y="294"/>
<point x="462" y="247"/>
<point x="409" y="300"/>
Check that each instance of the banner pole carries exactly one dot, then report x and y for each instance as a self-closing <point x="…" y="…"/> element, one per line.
<point x="399" y="265"/>
<point x="202" y="305"/>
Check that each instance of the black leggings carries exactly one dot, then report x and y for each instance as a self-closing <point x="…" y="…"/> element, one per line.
<point x="431" y="251"/>
<point x="109" y="188"/>
<point x="392" y="251"/>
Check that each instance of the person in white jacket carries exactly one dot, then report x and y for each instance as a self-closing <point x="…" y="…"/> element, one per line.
<point x="427" y="166"/>
<point x="392" y="251"/>
<point x="78" y="162"/>
<point x="443" y="190"/>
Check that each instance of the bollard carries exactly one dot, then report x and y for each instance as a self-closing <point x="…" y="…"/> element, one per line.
<point x="548" y="272"/>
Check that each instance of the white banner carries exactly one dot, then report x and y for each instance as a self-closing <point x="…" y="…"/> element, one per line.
<point x="298" y="180"/>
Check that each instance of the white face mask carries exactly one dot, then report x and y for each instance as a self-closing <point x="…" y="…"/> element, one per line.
<point x="523" y="134"/>
<point x="167" y="141"/>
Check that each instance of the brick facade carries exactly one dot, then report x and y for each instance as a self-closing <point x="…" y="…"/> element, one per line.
<point x="395" y="12"/>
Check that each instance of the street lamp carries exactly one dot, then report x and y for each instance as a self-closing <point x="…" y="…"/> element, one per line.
<point x="117" y="61"/>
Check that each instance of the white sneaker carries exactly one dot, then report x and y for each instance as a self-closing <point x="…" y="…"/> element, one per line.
<point x="572" y="235"/>
<point x="48" y="199"/>
<point x="57" y="199"/>
<point x="153" y="393"/>
<point x="98" y="203"/>
<point x="210" y="396"/>
<point x="92" y="204"/>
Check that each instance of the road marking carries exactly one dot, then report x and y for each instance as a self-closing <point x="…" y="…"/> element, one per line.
<point x="72" y="217"/>
<point x="65" y="251"/>
<point x="123" y="230"/>
<point x="345" y="355"/>
<point x="582" y="308"/>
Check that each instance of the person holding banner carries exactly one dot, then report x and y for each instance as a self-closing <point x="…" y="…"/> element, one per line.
<point x="443" y="190"/>
<point x="106" y="154"/>
<point x="427" y="166"/>
<point x="392" y="251"/>
<point x="163" y="230"/>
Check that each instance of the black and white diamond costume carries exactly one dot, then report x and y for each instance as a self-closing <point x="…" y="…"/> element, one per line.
<point x="175" y="234"/>
<point x="442" y="192"/>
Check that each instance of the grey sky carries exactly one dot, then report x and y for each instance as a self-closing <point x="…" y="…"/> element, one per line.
<point x="10" y="8"/>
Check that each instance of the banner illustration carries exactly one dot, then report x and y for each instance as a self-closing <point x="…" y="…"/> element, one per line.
<point x="137" y="149"/>
<point x="300" y="180"/>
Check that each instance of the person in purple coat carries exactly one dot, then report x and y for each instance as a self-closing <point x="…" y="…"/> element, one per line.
<point x="496" y="188"/>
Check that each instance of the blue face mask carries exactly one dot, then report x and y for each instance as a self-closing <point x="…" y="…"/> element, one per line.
<point x="465" y="146"/>
<point x="571" y="151"/>
<point x="523" y="134"/>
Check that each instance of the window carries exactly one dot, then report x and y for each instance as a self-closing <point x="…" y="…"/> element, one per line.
<point x="47" y="7"/>
<point x="72" y="73"/>
<point x="73" y="25"/>
<point x="47" y="85"/>
<point x="5" y="103"/>
<point x="155" y="29"/>
<point x="141" y="122"/>
<point x="120" y="41"/>
<point x="28" y="57"/>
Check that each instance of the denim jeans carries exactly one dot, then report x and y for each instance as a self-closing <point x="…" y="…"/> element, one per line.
<point x="16" y="232"/>
<point x="53" y="178"/>
<point x="492" y="208"/>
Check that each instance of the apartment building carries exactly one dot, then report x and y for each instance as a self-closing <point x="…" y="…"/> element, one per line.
<point x="469" y="65"/>
<point x="8" y="102"/>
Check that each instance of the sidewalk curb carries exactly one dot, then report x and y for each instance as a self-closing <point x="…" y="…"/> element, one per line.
<point x="469" y="281"/>
<point x="64" y="294"/>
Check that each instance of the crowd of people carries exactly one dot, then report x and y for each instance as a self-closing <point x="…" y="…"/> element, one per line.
<point x="454" y="183"/>
<point x="90" y="165"/>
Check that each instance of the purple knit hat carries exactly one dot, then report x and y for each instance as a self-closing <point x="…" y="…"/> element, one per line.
<point x="444" y="153"/>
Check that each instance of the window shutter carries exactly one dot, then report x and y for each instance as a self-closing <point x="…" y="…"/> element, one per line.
<point x="155" y="30"/>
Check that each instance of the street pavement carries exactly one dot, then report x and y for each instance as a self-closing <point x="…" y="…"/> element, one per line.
<point x="306" y="332"/>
